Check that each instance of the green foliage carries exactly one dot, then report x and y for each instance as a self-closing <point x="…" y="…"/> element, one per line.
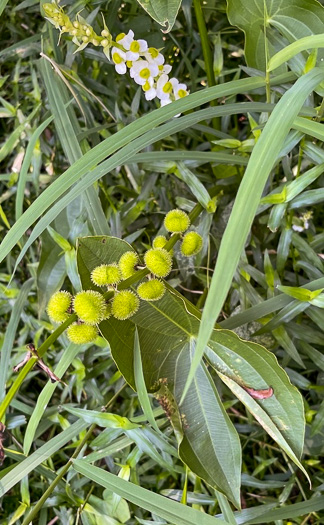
<point x="200" y="391"/>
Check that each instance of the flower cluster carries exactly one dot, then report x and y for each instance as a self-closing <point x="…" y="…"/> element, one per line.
<point x="146" y="65"/>
<point x="92" y="307"/>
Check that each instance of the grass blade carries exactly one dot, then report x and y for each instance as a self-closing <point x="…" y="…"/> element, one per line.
<point x="40" y="455"/>
<point x="10" y="334"/>
<point x="168" y="509"/>
<point x="140" y="384"/>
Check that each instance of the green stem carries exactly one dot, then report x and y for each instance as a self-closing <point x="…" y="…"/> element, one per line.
<point x="55" y="482"/>
<point x="207" y="53"/>
<point x="208" y="58"/>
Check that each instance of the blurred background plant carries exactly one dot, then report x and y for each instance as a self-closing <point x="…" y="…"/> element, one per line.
<point x="53" y="110"/>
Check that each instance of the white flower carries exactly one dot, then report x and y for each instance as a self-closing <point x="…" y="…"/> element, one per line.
<point x="141" y="71"/>
<point x="166" y="102"/>
<point x="133" y="47"/>
<point x="153" y="55"/>
<point x="166" y="68"/>
<point x="164" y="88"/>
<point x="149" y="90"/>
<point x="119" y="58"/>
<point x="179" y="90"/>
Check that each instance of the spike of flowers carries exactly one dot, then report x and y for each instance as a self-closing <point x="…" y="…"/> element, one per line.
<point x="80" y="334"/>
<point x="106" y="274"/>
<point x="151" y="290"/>
<point x="176" y="221"/>
<point x="158" y="261"/>
<point x="127" y="264"/>
<point x="146" y="65"/>
<point x="124" y="305"/>
<point x="191" y="244"/>
<point x="90" y="306"/>
<point x="58" y="305"/>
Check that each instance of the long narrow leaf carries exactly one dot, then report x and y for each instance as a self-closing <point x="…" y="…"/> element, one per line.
<point x="166" y="508"/>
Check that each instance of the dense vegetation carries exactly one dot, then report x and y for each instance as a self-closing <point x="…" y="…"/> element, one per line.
<point x="180" y="377"/>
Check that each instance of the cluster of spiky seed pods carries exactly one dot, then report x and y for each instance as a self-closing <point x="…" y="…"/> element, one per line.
<point x="92" y="308"/>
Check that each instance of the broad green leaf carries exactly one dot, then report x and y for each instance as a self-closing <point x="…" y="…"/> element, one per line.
<point x="164" y="507"/>
<point x="162" y="11"/>
<point x="263" y="418"/>
<point x="293" y="20"/>
<point x="168" y="331"/>
<point x="308" y="42"/>
<point x="246" y="203"/>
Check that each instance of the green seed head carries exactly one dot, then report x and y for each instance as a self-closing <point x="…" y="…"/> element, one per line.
<point x="80" y="334"/>
<point x="160" y="241"/>
<point x="58" y="305"/>
<point x="89" y="306"/>
<point x="191" y="244"/>
<point x="107" y="312"/>
<point x="124" y="305"/>
<point x="158" y="261"/>
<point x="176" y="221"/>
<point x="151" y="290"/>
<point x="127" y="263"/>
<point x="106" y="274"/>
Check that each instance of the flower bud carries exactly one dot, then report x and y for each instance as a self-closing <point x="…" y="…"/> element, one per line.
<point x="58" y="305"/>
<point x="151" y="290"/>
<point x="176" y="221"/>
<point x="191" y="244"/>
<point x="124" y="304"/>
<point x="80" y="334"/>
<point x="89" y="306"/>
<point x="106" y="274"/>
<point x="127" y="264"/>
<point x="158" y="261"/>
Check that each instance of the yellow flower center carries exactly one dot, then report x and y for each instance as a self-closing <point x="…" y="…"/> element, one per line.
<point x="182" y="93"/>
<point x="167" y="88"/>
<point x="129" y="63"/>
<point x="145" y="73"/>
<point x="161" y="68"/>
<point x="120" y="36"/>
<point x="146" y="86"/>
<point x="117" y="58"/>
<point x="153" y="52"/>
<point x="134" y="47"/>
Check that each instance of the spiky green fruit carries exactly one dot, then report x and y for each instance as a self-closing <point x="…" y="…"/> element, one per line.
<point x="124" y="305"/>
<point x="158" y="261"/>
<point x="58" y="305"/>
<point x="89" y="306"/>
<point x="106" y="274"/>
<point x="80" y="334"/>
<point x="191" y="244"/>
<point x="176" y="221"/>
<point x="151" y="290"/>
<point x="160" y="241"/>
<point x="127" y="264"/>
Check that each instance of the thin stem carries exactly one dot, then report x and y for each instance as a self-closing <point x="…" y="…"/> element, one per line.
<point x="207" y="53"/>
